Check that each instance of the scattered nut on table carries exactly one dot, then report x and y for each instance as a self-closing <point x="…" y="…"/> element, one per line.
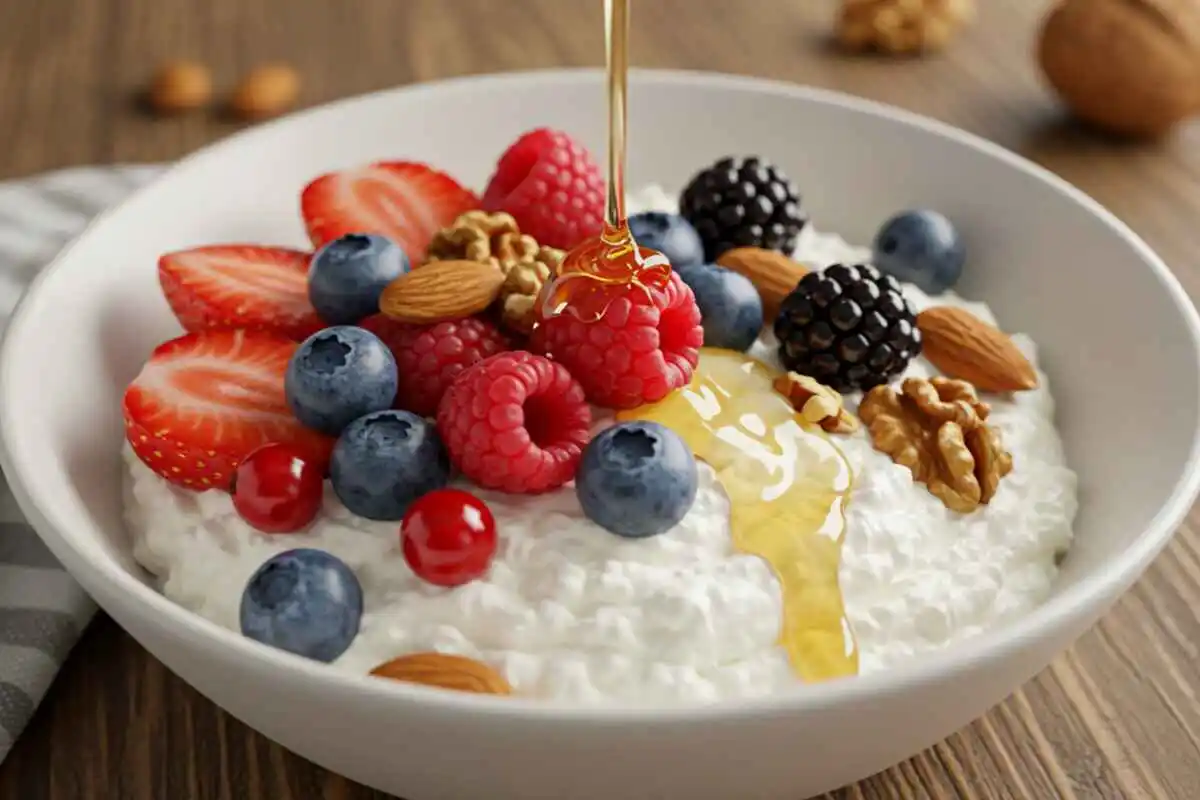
<point x="180" y="86"/>
<point x="266" y="91"/>
<point x="901" y="27"/>
<point x="938" y="429"/>
<point x="1128" y="67"/>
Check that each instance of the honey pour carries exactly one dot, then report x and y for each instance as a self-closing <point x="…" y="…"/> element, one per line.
<point x="601" y="268"/>
<point x="787" y="483"/>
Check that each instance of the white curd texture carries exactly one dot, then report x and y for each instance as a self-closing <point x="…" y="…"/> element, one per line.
<point x="573" y="613"/>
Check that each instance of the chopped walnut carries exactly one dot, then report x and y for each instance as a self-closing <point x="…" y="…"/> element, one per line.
<point x="816" y="402"/>
<point x="937" y="429"/>
<point x="483" y="236"/>
<point x="496" y="239"/>
<point x="523" y="284"/>
<point x="519" y="293"/>
<point x="901" y="27"/>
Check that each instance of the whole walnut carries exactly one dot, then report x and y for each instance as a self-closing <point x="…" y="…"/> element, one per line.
<point x="1131" y="67"/>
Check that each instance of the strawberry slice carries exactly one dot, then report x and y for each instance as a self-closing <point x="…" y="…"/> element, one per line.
<point x="205" y="400"/>
<point x="402" y="200"/>
<point x="240" y="286"/>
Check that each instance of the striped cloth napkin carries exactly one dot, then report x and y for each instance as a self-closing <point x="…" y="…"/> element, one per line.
<point x="42" y="610"/>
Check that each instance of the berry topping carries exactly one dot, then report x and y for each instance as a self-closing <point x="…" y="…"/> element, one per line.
<point x="404" y="201"/>
<point x="304" y="601"/>
<point x="339" y="374"/>
<point x="729" y="305"/>
<point x="430" y="357"/>
<point x="384" y="461"/>
<point x="921" y="247"/>
<point x="240" y="286"/>
<point x="515" y="422"/>
<point x="349" y="274"/>
<point x="448" y="537"/>
<point x="645" y="346"/>
<point x="743" y="202"/>
<point x="669" y="234"/>
<point x="277" y="490"/>
<point x="636" y="479"/>
<point x="551" y="186"/>
<point x="206" y="400"/>
<point x="848" y="327"/>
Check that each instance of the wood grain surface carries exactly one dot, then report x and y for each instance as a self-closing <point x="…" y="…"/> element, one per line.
<point x="1115" y="717"/>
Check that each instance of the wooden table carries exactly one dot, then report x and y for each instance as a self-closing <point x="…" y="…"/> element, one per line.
<point x="1115" y="717"/>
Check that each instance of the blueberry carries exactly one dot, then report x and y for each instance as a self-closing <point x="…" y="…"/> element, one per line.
<point x="730" y="307"/>
<point x="348" y="274"/>
<point x="337" y="375"/>
<point x="669" y="234"/>
<point x="304" y="601"/>
<point x="386" y="460"/>
<point x="921" y="247"/>
<point x="636" y="479"/>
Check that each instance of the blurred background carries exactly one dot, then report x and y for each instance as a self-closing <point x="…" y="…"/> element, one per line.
<point x="74" y="73"/>
<point x="100" y="82"/>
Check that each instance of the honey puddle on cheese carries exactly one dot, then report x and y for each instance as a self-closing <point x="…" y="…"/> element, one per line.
<point x="788" y="486"/>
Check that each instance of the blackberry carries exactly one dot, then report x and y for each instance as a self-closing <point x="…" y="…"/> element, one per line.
<point x="849" y="327"/>
<point x="743" y="202"/>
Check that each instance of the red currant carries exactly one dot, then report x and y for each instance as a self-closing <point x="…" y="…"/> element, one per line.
<point x="449" y="537"/>
<point x="276" y="490"/>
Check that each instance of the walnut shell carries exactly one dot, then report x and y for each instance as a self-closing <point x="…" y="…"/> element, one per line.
<point x="1131" y="67"/>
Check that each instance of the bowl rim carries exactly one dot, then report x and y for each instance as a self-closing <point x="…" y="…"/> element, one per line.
<point x="1061" y="611"/>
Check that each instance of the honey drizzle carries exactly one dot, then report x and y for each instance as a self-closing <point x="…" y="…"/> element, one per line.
<point x="602" y="268"/>
<point x="788" y="485"/>
<point x="616" y="49"/>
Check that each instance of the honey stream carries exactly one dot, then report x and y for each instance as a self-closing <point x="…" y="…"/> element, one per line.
<point x="787" y="483"/>
<point x="616" y="52"/>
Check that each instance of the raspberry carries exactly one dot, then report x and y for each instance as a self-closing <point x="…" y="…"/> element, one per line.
<point x="551" y="186"/>
<point x="515" y="422"/>
<point x="640" y="351"/>
<point x="430" y="357"/>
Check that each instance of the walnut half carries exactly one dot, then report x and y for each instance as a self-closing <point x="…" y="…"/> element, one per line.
<point x="937" y="429"/>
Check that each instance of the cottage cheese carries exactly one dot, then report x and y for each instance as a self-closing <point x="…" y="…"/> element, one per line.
<point x="573" y="613"/>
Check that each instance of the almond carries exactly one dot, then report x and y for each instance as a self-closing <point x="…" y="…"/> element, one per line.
<point x="963" y="346"/>
<point x="456" y="673"/>
<point x="771" y="272"/>
<point x="442" y="290"/>
<point x="180" y="86"/>
<point x="266" y="91"/>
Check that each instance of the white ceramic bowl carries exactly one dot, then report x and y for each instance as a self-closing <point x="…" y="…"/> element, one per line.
<point x="1117" y="335"/>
